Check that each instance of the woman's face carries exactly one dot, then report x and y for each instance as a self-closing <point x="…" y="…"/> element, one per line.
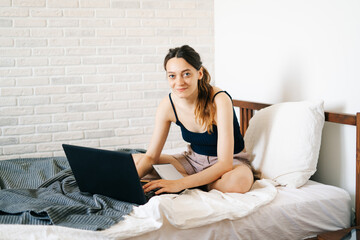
<point x="183" y="78"/>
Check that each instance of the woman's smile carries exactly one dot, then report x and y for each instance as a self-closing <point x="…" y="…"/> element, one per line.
<point x="181" y="89"/>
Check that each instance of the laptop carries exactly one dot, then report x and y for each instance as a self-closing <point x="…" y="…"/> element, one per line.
<point x="109" y="173"/>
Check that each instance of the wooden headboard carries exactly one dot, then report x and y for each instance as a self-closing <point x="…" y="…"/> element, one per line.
<point x="247" y="111"/>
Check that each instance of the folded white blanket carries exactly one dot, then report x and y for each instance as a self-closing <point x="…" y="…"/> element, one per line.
<point x="192" y="208"/>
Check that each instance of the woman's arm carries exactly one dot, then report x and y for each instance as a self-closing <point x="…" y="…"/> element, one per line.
<point x="224" y="121"/>
<point x="225" y="126"/>
<point x="161" y="131"/>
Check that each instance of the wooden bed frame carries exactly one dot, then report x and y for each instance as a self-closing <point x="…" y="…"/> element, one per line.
<point x="247" y="110"/>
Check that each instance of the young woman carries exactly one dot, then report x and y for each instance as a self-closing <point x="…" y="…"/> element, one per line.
<point x="207" y="120"/>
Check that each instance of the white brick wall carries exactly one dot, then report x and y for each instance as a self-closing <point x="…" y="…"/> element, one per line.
<point x="90" y="72"/>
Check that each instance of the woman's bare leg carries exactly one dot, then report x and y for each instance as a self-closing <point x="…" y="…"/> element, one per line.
<point x="164" y="158"/>
<point x="238" y="180"/>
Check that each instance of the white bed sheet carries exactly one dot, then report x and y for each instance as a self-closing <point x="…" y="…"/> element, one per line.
<point x="293" y="214"/>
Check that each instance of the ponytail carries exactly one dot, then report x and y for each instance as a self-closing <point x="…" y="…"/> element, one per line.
<point x="205" y="109"/>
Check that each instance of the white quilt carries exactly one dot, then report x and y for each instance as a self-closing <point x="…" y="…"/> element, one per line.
<point x="192" y="208"/>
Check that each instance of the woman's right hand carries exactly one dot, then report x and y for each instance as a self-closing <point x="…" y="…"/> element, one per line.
<point x="162" y="186"/>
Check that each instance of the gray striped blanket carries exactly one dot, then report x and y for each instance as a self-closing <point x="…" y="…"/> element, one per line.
<point x="44" y="191"/>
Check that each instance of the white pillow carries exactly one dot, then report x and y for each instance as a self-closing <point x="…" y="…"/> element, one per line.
<point x="284" y="141"/>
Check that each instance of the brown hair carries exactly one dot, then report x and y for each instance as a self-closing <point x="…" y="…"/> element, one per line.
<point x="205" y="108"/>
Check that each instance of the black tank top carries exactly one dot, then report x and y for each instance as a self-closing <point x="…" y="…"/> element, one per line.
<point x="206" y="143"/>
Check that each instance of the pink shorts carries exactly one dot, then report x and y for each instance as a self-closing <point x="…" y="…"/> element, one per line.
<point x="194" y="162"/>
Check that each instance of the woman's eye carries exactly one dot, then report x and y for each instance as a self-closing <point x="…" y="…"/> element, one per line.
<point x="171" y="76"/>
<point x="187" y="74"/>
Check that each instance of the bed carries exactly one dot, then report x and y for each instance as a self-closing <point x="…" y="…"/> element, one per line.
<point x="286" y="206"/>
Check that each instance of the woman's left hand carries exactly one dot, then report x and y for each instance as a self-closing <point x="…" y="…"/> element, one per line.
<point x="169" y="186"/>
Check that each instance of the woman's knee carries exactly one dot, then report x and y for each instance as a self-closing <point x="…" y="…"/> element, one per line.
<point x="237" y="181"/>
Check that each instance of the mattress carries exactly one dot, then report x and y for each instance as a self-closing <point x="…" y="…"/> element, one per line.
<point x="293" y="214"/>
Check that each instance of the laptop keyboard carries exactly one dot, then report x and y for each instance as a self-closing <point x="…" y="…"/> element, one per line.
<point x="151" y="193"/>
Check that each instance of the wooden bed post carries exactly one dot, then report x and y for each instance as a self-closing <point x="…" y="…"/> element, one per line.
<point x="246" y="112"/>
<point x="245" y="115"/>
<point x="357" y="185"/>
